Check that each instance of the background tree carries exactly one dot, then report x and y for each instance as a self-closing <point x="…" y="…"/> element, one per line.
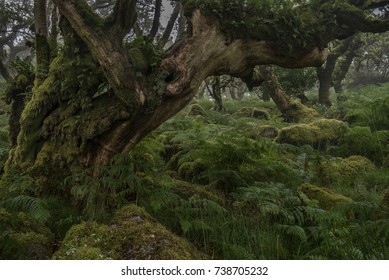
<point x="371" y="64"/>
<point x="296" y="82"/>
<point x="325" y="72"/>
<point x="15" y="21"/>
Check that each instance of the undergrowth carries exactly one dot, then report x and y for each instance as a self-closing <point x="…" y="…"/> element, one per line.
<point x="232" y="190"/>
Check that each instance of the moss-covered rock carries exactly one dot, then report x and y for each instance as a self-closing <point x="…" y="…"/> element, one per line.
<point x="299" y="134"/>
<point x="21" y="237"/>
<point x="257" y="113"/>
<point x="298" y="112"/>
<point x="87" y="241"/>
<point x="338" y="171"/>
<point x="187" y="190"/>
<point x="191" y="169"/>
<point x="267" y="131"/>
<point x="360" y="164"/>
<point x="318" y="133"/>
<point x="133" y="234"/>
<point x="326" y="198"/>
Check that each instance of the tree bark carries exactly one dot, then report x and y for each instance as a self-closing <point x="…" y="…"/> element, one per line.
<point x="157" y="15"/>
<point x="42" y="47"/>
<point x="215" y="91"/>
<point x="292" y="111"/>
<point x="325" y="73"/>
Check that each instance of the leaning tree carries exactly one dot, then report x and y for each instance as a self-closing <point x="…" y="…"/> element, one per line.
<point x="107" y="87"/>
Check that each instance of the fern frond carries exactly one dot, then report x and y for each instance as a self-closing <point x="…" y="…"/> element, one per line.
<point x="294" y="231"/>
<point x="35" y="207"/>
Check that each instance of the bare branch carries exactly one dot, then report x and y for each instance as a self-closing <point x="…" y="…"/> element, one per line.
<point x="169" y="27"/>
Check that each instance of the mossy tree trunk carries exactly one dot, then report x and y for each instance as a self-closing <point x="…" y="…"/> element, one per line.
<point x="101" y="97"/>
<point x="265" y="77"/>
<point x="292" y="111"/>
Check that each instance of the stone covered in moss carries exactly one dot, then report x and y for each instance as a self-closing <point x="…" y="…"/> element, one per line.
<point x="318" y="133"/>
<point x="326" y="198"/>
<point x="191" y="169"/>
<point x="187" y="190"/>
<point x="21" y="237"/>
<point x="343" y="171"/>
<point x="267" y="131"/>
<point x="257" y="113"/>
<point x="133" y="234"/>
<point x="298" y="112"/>
<point x="87" y="241"/>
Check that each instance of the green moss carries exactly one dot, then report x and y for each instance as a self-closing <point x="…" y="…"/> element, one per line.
<point x="273" y="21"/>
<point x="338" y="171"/>
<point x="267" y="131"/>
<point x="298" y="112"/>
<point x="91" y="18"/>
<point x="70" y="107"/>
<point x="299" y="134"/>
<point x="331" y="129"/>
<point x="326" y="198"/>
<point x="138" y="60"/>
<point x="187" y="190"/>
<point x="318" y="133"/>
<point x="85" y="241"/>
<point x="133" y="234"/>
<point x="190" y="170"/>
<point x="257" y="113"/>
<point x="360" y="164"/>
<point x="22" y="237"/>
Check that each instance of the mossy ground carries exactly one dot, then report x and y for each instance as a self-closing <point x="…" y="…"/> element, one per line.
<point x="22" y="237"/>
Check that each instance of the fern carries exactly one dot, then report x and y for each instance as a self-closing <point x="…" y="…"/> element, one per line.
<point x="35" y="207"/>
<point x="294" y="231"/>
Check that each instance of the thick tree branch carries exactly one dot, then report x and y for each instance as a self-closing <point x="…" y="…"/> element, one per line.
<point x="207" y="53"/>
<point x="111" y="57"/>
<point x="122" y="19"/>
<point x="157" y="15"/>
